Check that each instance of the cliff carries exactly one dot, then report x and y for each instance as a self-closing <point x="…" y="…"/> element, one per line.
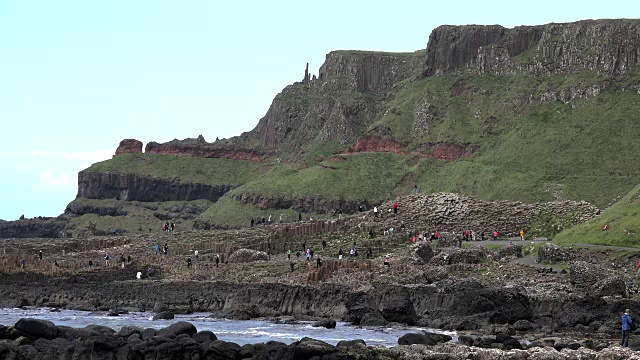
<point x="608" y="46"/>
<point x="522" y="114"/>
<point x="131" y="187"/>
<point x="337" y="107"/>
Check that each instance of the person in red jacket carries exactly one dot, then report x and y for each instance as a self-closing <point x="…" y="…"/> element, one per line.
<point x="495" y="235"/>
<point x="395" y="208"/>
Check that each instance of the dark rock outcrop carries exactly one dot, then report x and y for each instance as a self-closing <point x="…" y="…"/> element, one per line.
<point x="33" y="228"/>
<point x="325" y="323"/>
<point x="610" y="47"/>
<point x="129" y="146"/>
<point x="130" y="187"/>
<point x="424" y="339"/>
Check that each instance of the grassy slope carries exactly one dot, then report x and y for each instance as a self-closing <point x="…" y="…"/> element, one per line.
<point x="230" y="213"/>
<point x="580" y="150"/>
<point x="186" y="169"/>
<point x="371" y="176"/>
<point x="624" y="225"/>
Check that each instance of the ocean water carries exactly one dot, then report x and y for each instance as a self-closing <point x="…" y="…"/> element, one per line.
<point x="238" y="331"/>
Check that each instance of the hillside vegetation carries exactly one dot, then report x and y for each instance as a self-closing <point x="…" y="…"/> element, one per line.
<point x="623" y="219"/>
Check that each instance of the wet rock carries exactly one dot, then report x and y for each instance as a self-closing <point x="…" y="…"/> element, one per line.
<point x="127" y="331"/>
<point x="37" y="328"/>
<point x="203" y="336"/>
<point x="373" y="319"/>
<point x="247" y="256"/>
<point x="423" y="338"/>
<point x="100" y="329"/>
<point x="148" y="334"/>
<point x="165" y="315"/>
<point x="178" y="328"/>
<point x="325" y="323"/>
<point x="522" y="325"/>
<point x="396" y="306"/>
<point x="351" y="343"/>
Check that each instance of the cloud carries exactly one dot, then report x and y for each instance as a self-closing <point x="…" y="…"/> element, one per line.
<point x="96" y="155"/>
<point x="50" y="179"/>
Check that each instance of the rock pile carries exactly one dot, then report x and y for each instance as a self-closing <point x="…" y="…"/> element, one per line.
<point x="455" y="212"/>
<point x="551" y="253"/>
<point x="247" y="256"/>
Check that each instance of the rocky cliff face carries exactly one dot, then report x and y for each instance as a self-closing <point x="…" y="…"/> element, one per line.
<point x="130" y="187"/>
<point x="339" y="105"/>
<point x="129" y="146"/>
<point x="611" y="47"/>
<point x="32" y="228"/>
<point x="200" y="148"/>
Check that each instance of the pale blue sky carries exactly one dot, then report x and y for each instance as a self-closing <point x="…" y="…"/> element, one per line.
<point x="76" y="77"/>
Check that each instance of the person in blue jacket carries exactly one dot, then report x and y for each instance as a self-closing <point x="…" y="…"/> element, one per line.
<point x="626" y="328"/>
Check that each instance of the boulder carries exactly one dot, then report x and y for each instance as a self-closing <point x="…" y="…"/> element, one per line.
<point x="424" y="253"/>
<point x="20" y="303"/>
<point x="611" y="286"/>
<point x="522" y="325"/>
<point x="423" y="338"/>
<point x="396" y="306"/>
<point x="584" y="275"/>
<point x="434" y="274"/>
<point x="37" y="328"/>
<point x="373" y="319"/>
<point x="325" y="323"/>
<point x="178" y="328"/>
<point x="203" y="336"/>
<point x="247" y="256"/>
<point x="165" y="315"/>
<point x="100" y="329"/>
<point x="551" y="253"/>
<point x="351" y="343"/>
<point x="148" y="334"/>
<point x="127" y="331"/>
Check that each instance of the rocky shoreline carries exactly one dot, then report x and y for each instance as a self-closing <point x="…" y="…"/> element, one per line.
<point x="42" y="339"/>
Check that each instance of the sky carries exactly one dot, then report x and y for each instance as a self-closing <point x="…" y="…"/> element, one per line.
<point x="76" y="77"/>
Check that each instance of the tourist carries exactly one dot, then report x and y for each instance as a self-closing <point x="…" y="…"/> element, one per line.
<point x="128" y="259"/>
<point x="395" y="208"/>
<point x="22" y="262"/>
<point x="626" y="328"/>
<point x="289" y="254"/>
<point x="415" y="188"/>
<point x="172" y="226"/>
<point x="188" y="263"/>
<point x="340" y="253"/>
<point x="371" y="234"/>
<point x="291" y="265"/>
<point x="351" y="252"/>
<point x="311" y="252"/>
<point x="55" y="263"/>
<point x="139" y="275"/>
<point x="375" y="211"/>
<point x="217" y="260"/>
<point x="269" y="221"/>
<point x="166" y="249"/>
<point x="281" y="219"/>
<point x="495" y="235"/>
<point x="436" y="235"/>
<point x="324" y="244"/>
<point x="299" y="216"/>
<point x="414" y="239"/>
<point x="195" y="255"/>
<point x="90" y="264"/>
<point x="40" y="254"/>
<point x="522" y="234"/>
<point x="308" y="254"/>
<point x="263" y="220"/>
<point x="156" y="247"/>
<point x="318" y="263"/>
<point x="369" y="253"/>
<point x="106" y="260"/>
<point x="252" y="222"/>
<point x="385" y="262"/>
<point x="122" y="261"/>
<point x="467" y="235"/>
<point x="606" y="227"/>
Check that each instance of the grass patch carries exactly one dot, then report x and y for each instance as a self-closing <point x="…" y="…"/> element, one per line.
<point x="623" y="220"/>
<point x="186" y="169"/>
